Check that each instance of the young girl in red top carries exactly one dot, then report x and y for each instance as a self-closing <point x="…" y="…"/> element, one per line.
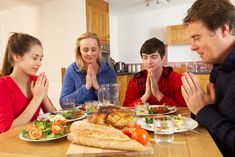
<point x="156" y="84"/>
<point x="22" y="93"/>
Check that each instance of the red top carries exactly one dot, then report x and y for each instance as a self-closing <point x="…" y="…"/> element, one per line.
<point x="12" y="103"/>
<point x="169" y="84"/>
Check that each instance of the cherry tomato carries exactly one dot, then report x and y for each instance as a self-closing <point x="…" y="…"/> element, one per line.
<point x="56" y="128"/>
<point x="83" y="107"/>
<point x="134" y="125"/>
<point x="140" y="135"/>
<point x="128" y="131"/>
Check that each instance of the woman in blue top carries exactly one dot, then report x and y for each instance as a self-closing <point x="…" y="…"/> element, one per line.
<point x="83" y="78"/>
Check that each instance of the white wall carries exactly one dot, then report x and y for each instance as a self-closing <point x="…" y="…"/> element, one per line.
<point x="133" y="30"/>
<point x="26" y="21"/>
<point x="61" y="22"/>
<point x="57" y="24"/>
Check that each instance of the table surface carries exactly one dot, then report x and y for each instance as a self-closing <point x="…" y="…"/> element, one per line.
<point x="186" y="144"/>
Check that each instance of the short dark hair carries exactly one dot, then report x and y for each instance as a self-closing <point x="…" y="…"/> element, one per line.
<point x="153" y="45"/>
<point x="213" y="13"/>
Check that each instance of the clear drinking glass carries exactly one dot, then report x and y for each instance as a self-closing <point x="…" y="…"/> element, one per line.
<point x="163" y="129"/>
<point x="69" y="104"/>
<point x="108" y="94"/>
<point x="141" y="109"/>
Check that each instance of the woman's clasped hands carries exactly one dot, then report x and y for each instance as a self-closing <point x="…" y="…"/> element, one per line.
<point x="91" y="80"/>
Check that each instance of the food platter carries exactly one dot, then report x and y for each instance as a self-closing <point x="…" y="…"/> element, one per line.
<point x="170" y="111"/>
<point x="161" y="109"/>
<point x="189" y="124"/>
<point x="40" y="140"/>
<point x="143" y="110"/>
<point x="41" y="131"/>
<point x="65" y="113"/>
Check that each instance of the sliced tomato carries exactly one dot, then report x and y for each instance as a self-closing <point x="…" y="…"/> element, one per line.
<point x="34" y="132"/>
<point x="133" y="125"/>
<point x="141" y="136"/>
<point x="57" y="128"/>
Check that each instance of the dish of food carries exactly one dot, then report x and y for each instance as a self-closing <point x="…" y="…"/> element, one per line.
<point x="181" y="123"/>
<point x="69" y="115"/>
<point x="40" y="140"/>
<point x="41" y="131"/>
<point x="161" y="109"/>
<point x="145" y="110"/>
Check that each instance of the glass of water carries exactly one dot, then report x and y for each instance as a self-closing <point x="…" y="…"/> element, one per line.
<point x="163" y="129"/>
<point x="69" y="104"/>
<point x="141" y="109"/>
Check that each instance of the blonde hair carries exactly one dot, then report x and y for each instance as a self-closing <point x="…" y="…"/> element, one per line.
<point x="78" y="56"/>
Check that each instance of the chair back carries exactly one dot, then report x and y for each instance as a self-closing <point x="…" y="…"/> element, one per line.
<point x="63" y="70"/>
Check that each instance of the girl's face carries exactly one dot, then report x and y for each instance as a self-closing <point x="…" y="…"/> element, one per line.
<point x="89" y="50"/>
<point x="31" y="61"/>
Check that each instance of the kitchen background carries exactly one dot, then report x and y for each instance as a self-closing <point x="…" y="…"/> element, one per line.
<point x="57" y="23"/>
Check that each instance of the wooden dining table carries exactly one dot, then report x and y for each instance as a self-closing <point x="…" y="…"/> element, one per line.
<point x="185" y="144"/>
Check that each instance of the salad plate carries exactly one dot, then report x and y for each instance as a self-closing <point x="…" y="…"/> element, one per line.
<point x="69" y="115"/>
<point x="148" y="110"/>
<point x="188" y="124"/>
<point x="40" y="140"/>
<point x="41" y="131"/>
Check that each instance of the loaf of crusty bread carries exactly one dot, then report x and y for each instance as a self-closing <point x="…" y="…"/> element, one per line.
<point x="101" y="136"/>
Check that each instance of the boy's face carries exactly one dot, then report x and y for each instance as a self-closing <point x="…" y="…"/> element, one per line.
<point x="152" y="62"/>
<point x="209" y="45"/>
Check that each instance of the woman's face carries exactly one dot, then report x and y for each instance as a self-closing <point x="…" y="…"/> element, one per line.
<point x="31" y="61"/>
<point x="89" y="50"/>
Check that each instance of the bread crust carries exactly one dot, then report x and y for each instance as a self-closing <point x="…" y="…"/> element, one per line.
<point x="101" y="136"/>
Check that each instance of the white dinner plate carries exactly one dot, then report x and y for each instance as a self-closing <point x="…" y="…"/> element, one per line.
<point x="40" y="140"/>
<point x="45" y="116"/>
<point x="189" y="124"/>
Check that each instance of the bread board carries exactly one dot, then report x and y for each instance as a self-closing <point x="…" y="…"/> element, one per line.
<point x="76" y="150"/>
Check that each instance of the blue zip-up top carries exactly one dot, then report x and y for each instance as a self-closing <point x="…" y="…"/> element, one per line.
<point x="74" y="85"/>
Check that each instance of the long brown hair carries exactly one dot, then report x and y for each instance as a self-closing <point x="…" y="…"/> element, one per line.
<point x="78" y="56"/>
<point x="18" y="44"/>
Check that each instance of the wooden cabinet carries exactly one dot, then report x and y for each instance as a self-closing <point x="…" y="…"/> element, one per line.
<point x="97" y="13"/>
<point x="177" y="35"/>
<point x="123" y="81"/>
<point x="203" y="79"/>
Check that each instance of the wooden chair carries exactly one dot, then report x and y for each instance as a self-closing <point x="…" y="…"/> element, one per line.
<point x="63" y="70"/>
